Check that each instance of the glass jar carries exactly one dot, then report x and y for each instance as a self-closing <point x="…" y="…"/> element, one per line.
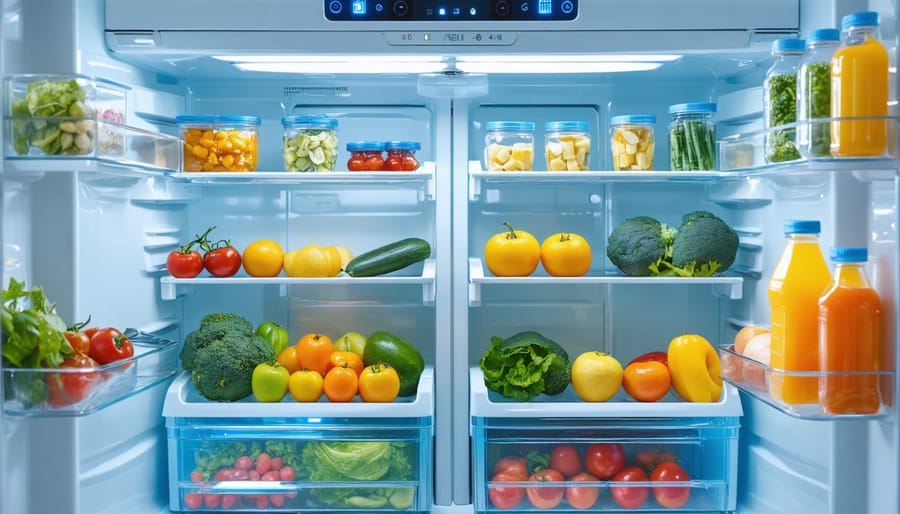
<point x="401" y="156"/>
<point x="814" y="93"/>
<point x="692" y="137"/>
<point x="219" y="143"/>
<point x="365" y="156"/>
<point x="310" y="143"/>
<point x="509" y="146"/>
<point x="632" y="142"/>
<point x="567" y="145"/>
<point x="780" y="100"/>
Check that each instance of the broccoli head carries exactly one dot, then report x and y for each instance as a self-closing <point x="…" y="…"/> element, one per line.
<point x="223" y="369"/>
<point x="638" y="243"/>
<point x="234" y="320"/>
<point x="703" y="245"/>
<point x="212" y="328"/>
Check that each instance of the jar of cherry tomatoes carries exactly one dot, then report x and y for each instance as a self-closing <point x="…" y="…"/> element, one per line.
<point x="365" y="156"/>
<point x="401" y="156"/>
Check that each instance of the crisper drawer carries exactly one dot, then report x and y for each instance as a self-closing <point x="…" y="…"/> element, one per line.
<point x="597" y="438"/>
<point x="316" y="457"/>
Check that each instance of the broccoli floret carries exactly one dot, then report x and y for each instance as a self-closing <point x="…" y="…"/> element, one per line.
<point x="238" y="322"/>
<point x="639" y="242"/>
<point x="223" y="369"/>
<point x="213" y="327"/>
<point x="703" y="245"/>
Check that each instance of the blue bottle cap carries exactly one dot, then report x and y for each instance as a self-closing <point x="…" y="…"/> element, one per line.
<point x="849" y="254"/>
<point x="693" y="108"/>
<point x="860" y="19"/>
<point x="828" y="34"/>
<point x="802" y="227"/>
<point x="788" y="45"/>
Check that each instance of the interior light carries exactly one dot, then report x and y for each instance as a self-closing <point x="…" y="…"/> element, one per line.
<point x="521" y="58"/>
<point x="367" y="67"/>
<point x="556" y="67"/>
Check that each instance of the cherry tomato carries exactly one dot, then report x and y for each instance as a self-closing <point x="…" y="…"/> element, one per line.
<point x="356" y="163"/>
<point x="393" y="163"/>
<point x="409" y="163"/>
<point x="184" y="264"/>
<point x="649" y="460"/>
<point x="630" y="497"/>
<point x="513" y="465"/>
<point x="646" y="381"/>
<point x="223" y="261"/>
<point x="670" y="497"/>
<point x="583" y="497"/>
<point x="662" y="357"/>
<point x="193" y="500"/>
<point x="565" y="459"/>
<point x="68" y="388"/>
<point x="374" y="163"/>
<point x="506" y="497"/>
<point x="546" y="497"/>
<point x="79" y="341"/>
<point x="109" y="345"/>
<point x="604" y="459"/>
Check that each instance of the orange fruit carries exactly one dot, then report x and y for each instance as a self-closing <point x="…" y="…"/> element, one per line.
<point x="263" y="258"/>
<point x="288" y="359"/>
<point x="646" y="381"/>
<point x="341" y="384"/>
<point x="314" y="352"/>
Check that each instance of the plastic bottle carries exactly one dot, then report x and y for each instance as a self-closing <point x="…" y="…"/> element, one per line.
<point x="780" y="99"/>
<point x="849" y="337"/>
<point x="859" y="88"/>
<point x="814" y="93"/>
<point x="799" y="278"/>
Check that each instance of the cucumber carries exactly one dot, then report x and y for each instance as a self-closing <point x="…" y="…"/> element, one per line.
<point x="398" y="353"/>
<point x="388" y="258"/>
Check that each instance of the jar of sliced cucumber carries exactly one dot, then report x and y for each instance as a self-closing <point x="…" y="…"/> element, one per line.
<point x="310" y="143"/>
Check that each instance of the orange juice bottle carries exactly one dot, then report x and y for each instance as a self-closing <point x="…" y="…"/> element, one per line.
<point x="799" y="278"/>
<point x="849" y="337"/>
<point x="859" y="88"/>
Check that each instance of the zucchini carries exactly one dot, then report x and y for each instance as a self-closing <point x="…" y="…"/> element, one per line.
<point x="390" y="257"/>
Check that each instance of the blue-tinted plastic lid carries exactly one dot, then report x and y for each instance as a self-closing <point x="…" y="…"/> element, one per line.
<point x="632" y="118"/>
<point x="320" y="122"/>
<point x="693" y="108"/>
<point x="802" y="227"/>
<point x="860" y="19"/>
<point x="849" y="254"/>
<point x="200" y="119"/>
<point x="828" y="34"/>
<point x="788" y="45"/>
<point x="402" y="145"/>
<point x="510" y="126"/>
<point x="567" y="126"/>
<point x="362" y="146"/>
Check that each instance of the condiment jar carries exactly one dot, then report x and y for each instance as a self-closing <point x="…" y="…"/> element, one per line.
<point x="692" y="137"/>
<point x="219" y="143"/>
<point x="632" y="142"/>
<point x="310" y="143"/>
<point x="814" y="93"/>
<point x="401" y="156"/>
<point x="780" y="100"/>
<point x="509" y="146"/>
<point x="365" y="156"/>
<point x="567" y="145"/>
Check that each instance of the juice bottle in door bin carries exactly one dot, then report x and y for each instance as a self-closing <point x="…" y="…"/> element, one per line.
<point x="859" y="88"/>
<point x="800" y="277"/>
<point x="849" y="337"/>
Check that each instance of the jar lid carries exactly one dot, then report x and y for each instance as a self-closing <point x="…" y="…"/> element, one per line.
<point x="567" y="126"/>
<point x="197" y="119"/>
<point x="802" y="227"/>
<point x="693" y="108"/>
<point x="860" y="19"/>
<point x="357" y="146"/>
<point x="402" y="145"/>
<point x="632" y="118"/>
<point x="850" y="254"/>
<point x="321" y="122"/>
<point x="510" y="126"/>
<point x="828" y="34"/>
<point x="788" y="45"/>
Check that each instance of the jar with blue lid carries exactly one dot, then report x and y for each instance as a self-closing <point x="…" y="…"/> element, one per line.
<point x="692" y="137"/>
<point x="632" y="142"/>
<point x="567" y="145"/>
<point x="310" y="143"/>
<point x="780" y="100"/>
<point x="509" y="146"/>
<point x="219" y="143"/>
<point x="401" y="155"/>
<point x="365" y="155"/>
<point x="814" y="93"/>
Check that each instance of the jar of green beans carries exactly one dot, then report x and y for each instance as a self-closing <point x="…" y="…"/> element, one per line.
<point x="814" y="93"/>
<point x="780" y="100"/>
<point x="692" y="137"/>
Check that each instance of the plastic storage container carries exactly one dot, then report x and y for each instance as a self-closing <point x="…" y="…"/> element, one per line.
<point x="509" y="146"/>
<point x="780" y="100"/>
<point x="365" y="156"/>
<point x="310" y="143"/>
<point x="219" y="143"/>
<point x="567" y="145"/>
<point x="632" y="142"/>
<point x="401" y="156"/>
<point x="814" y="93"/>
<point x="692" y="137"/>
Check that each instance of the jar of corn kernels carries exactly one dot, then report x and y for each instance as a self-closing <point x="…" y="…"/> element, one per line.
<point x="219" y="143"/>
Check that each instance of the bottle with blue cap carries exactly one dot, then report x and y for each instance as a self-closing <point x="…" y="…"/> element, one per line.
<point x="780" y="100"/>
<point x="814" y="93"/>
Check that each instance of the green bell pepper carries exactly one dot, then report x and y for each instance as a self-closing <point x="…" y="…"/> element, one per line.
<point x="275" y="335"/>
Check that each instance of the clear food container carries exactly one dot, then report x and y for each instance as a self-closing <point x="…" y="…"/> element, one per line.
<point x="814" y="93"/>
<point x="692" y="137"/>
<point x="310" y="143"/>
<point x="632" y="142"/>
<point x="401" y="156"/>
<point x="365" y="156"/>
<point x="780" y="100"/>
<point x="509" y="146"/>
<point x="567" y="145"/>
<point x="219" y="143"/>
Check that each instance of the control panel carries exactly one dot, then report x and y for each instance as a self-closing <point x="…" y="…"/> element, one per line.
<point x="451" y="10"/>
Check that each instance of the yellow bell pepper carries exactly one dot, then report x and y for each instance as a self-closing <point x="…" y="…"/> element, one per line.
<point x="514" y="253"/>
<point x="312" y="261"/>
<point x="695" y="368"/>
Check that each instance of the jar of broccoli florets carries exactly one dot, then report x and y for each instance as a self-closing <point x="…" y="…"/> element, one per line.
<point x="814" y="93"/>
<point x="780" y="100"/>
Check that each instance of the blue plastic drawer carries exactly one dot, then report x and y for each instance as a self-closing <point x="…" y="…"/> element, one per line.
<point x="316" y="457"/>
<point x="702" y="439"/>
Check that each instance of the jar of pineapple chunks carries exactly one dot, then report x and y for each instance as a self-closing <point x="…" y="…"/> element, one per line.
<point x="509" y="146"/>
<point x="632" y="142"/>
<point x="219" y="143"/>
<point x="567" y="145"/>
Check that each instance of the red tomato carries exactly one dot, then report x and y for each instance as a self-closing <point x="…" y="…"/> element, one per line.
<point x="222" y="262"/>
<point x="409" y="163"/>
<point x="393" y="163"/>
<point x="184" y="265"/>
<point x="68" y="388"/>
<point x="356" y="163"/>
<point x="91" y="331"/>
<point x="110" y="345"/>
<point x="630" y="497"/>
<point x="604" y="459"/>
<point x="583" y="497"/>
<point x="193" y="500"/>
<point x="662" y="357"/>
<point x="546" y="497"/>
<point x="374" y="163"/>
<point x="79" y="341"/>
<point x="649" y="460"/>
<point x="211" y="500"/>
<point x="670" y="497"/>
<point x="505" y="497"/>
<point x="514" y="465"/>
<point x="565" y="459"/>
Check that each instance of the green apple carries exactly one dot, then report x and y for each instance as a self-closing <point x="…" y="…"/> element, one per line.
<point x="351" y="342"/>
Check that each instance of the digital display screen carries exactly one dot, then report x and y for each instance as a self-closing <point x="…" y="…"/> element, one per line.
<point x="451" y="10"/>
